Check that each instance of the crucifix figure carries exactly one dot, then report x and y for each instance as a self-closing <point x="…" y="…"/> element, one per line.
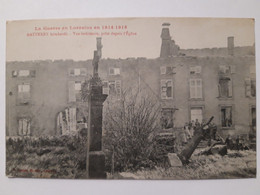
<point x="97" y="56"/>
<point x="95" y="64"/>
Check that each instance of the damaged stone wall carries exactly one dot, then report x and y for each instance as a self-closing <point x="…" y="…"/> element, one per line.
<point x="70" y="120"/>
<point x="66" y="121"/>
<point x="49" y="94"/>
<point x="49" y="89"/>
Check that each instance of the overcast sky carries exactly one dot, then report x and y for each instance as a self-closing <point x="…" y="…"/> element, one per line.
<point x="187" y="33"/>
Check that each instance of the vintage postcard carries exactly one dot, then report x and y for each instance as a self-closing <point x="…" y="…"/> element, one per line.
<point x="131" y="98"/>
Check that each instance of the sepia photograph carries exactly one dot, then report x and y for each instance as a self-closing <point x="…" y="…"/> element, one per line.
<point x="131" y="98"/>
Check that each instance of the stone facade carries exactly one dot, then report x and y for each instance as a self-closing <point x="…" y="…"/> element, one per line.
<point x="189" y="84"/>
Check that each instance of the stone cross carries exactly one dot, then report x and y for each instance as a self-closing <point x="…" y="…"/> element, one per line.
<point x="95" y="155"/>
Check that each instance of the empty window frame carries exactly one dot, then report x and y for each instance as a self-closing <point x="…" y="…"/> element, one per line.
<point x="167" y="70"/>
<point x="23" y="73"/>
<point x="225" y="87"/>
<point x="78" y="72"/>
<point x="196" y="88"/>
<point x="24" y="126"/>
<point x="166" y="89"/>
<point x="250" y="85"/>
<point x="24" y="93"/>
<point x="195" y="70"/>
<point x="226" y="69"/>
<point x="196" y="113"/>
<point x="114" y="71"/>
<point x="112" y="88"/>
<point x="167" y="118"/>
<point x="226" y="116"/>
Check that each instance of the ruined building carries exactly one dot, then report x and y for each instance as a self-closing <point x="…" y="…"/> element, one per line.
<point x="168" y="48"/>
<point x="43" y="97"/>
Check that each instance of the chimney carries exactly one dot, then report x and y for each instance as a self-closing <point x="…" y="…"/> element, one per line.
<point x="230" y="46"/>
<point x="166" y="41"/>
<point x="168" y="48"/>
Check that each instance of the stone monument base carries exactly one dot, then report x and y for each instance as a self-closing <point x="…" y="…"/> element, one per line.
<point x="97" y="165"/>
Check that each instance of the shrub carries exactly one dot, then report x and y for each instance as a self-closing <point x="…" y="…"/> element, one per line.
<point x="65" y="155"/>
<point x="130" y="126"/>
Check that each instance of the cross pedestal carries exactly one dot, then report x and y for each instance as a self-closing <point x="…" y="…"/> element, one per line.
<point x="96" y="157"/>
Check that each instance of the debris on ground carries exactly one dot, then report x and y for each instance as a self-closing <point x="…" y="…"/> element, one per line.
<point x="174" y="160"/>
<point x="237" y="164"/>
<point x="215" y="149"/>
